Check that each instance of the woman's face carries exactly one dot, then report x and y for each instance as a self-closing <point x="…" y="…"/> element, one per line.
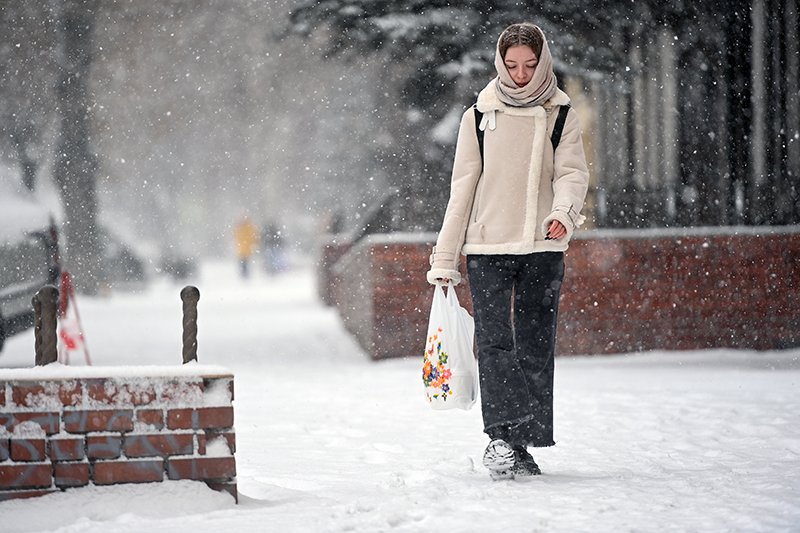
<point x="521" y="63"/>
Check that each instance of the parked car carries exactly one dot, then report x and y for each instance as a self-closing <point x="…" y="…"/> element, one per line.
<point x="29" y="256"/>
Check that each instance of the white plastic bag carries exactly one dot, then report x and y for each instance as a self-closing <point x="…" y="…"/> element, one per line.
<point x="449" y="368"/>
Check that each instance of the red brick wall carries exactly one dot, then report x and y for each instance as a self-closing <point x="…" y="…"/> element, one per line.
<point x="624" y="291"/>
<point x="62" y="433"/>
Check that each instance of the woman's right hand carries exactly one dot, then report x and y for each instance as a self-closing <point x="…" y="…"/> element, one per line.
<point x="439" y="276"/>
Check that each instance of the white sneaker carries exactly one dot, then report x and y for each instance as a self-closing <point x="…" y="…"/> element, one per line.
<point x="499" y="458"/>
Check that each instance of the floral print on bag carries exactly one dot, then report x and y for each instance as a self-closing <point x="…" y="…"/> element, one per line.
<point x="435" y="372"/>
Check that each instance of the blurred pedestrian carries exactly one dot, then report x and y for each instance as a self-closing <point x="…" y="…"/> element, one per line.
<point x="516" y="193"/>
<point x="272" y="244"/>
<point x="246" y="236"/>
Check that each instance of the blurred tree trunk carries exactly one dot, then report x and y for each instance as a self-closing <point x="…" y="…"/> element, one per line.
<point x="75" y="162"/>
<point x="29" y="171"/>
<point x="792" y="106"/>
<point x="739" y="112"/>
<point x="27" y="53"/>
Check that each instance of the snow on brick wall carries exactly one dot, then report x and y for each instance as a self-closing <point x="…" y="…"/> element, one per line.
<point x="85" y="427"/>
<point x="624" y="291"/>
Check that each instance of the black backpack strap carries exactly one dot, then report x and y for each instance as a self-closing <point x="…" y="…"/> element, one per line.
<point x="478" y="130"/>
<point x="555" y="138"/>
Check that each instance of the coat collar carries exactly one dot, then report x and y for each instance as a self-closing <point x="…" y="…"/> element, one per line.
<point x="488" y="101"/>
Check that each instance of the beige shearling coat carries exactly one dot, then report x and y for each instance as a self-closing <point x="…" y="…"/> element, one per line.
<point x="504" y="203"/>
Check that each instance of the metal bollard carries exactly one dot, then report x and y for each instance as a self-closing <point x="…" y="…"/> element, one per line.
<point x="45" y="304"/>
<point x="37" y="326"/>
<point x="190" y="296"/>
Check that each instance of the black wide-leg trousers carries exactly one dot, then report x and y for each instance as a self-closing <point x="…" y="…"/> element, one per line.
<point x="515" y="298"/>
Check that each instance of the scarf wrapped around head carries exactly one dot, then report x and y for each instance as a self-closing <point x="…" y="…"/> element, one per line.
<point x="541" y="88"/>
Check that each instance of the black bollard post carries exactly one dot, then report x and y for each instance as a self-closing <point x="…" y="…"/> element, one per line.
<point x="37" y="327"/>
<point x="190" y="296"/>
<point x="45" y="304"/>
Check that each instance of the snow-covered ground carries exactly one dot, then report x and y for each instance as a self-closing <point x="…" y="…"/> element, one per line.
<point x="329" y="441"/>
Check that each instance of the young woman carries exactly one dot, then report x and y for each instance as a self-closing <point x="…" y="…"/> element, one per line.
<point x="515" y="200"/>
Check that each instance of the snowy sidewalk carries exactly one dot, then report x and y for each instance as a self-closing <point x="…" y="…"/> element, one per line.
<point x="329" y="441"/>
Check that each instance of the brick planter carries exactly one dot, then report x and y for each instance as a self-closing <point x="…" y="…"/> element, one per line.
<point x="64" y="427"/>
<point x="329" y="252"/>
<point x="624" y="291"/>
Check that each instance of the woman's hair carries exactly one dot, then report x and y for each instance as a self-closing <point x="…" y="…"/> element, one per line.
<point x="525" y="34"/>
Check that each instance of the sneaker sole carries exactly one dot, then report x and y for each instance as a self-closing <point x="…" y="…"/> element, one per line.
<point x="499" y="460"/>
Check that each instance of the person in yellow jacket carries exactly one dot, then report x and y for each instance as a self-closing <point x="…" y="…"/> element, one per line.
<point x="246" y="236"/>
<point x="516" y="194"/>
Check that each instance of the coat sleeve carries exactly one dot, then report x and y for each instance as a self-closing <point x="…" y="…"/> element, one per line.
<point x="571" y="179"/>
<point x="467" y="167"/>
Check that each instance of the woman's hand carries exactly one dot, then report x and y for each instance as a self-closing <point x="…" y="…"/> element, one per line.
<point x="556" y="230"/>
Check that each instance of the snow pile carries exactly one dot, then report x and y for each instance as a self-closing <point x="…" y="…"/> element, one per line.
<point x="218" y="448"/>
<point x="28" y="430"/>
<point x="130" y="371"/>
<point x="217" y="394"/>
<point x="133" y="507"/>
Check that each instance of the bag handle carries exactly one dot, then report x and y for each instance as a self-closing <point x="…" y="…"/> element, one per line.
<point x="452" y="297"/>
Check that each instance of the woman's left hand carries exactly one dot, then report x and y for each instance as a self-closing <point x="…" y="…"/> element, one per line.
<point x="556" y="230"/>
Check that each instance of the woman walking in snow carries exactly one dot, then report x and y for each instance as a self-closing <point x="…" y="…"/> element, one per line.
<point x="518" y="185"/>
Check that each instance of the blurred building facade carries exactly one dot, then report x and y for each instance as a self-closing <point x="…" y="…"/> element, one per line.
<point x="700" y="122"/>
